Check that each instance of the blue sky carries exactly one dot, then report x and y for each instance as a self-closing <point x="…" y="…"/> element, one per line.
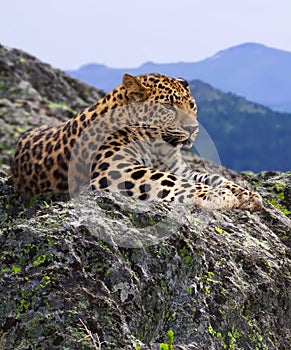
<point x="127" y="33"/>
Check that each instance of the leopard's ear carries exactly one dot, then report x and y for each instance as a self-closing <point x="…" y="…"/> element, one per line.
<point x="136" y="92"/>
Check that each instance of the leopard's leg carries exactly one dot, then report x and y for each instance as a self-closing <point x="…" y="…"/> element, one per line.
<point x="173" y="161"/>
<point x="248" y="200"/>
<point x="144" y="183"/>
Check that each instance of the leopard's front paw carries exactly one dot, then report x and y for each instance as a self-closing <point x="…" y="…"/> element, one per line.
<point x="247" y="200"/>
<point x="216" y="199"/>
<point x="252" y="202"/>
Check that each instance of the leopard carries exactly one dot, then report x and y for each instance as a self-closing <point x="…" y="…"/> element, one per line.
<point x="130" y="142"/>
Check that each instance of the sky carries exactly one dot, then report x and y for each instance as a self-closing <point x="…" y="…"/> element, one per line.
<point x="127" y="33"/>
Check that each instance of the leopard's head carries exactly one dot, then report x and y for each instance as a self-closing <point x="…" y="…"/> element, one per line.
<point x="163" y="103"/>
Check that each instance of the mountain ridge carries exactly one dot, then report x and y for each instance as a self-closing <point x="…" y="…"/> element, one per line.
<point x="246" y="70"/>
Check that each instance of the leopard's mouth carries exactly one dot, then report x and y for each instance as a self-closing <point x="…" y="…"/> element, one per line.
<point x="188" y="143"/>
<point x="175" y="140"/>
<point x="184" y="136"/>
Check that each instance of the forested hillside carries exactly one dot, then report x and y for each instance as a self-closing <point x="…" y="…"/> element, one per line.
<point x="247" y="136"/>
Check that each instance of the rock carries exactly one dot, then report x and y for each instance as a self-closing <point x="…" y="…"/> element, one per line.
<point x="32" y="93"/>
<point x="102" y="268"/>
<point x="215" y="278"/>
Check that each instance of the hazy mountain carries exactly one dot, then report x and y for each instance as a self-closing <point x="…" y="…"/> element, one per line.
<point x="257" y="72"/>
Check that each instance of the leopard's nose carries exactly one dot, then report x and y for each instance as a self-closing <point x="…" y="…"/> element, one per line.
<point x="191" y="129"/>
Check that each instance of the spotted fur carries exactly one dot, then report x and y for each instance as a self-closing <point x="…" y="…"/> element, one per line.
<point x="130" y="142"/>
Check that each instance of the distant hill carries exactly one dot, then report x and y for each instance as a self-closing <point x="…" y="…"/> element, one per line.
<point x="247" y="136"/>
<point x="257" y="72"/>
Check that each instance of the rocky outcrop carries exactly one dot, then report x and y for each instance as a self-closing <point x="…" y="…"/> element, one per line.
<point x="217" y="279"/>
<point x="99" y="268"/>
<point x="32" y="93"/>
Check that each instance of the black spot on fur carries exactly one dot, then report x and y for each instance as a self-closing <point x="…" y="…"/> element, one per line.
<point x="92" y="108"/>
<point x="74" y="127"/>
<point x="85" y="153"/>
<point x="104" y="110"/>
<point x="172" y="177"/>
<point x="167" y="183"/>
<point x="49" y="148"/>
<point x="56" y="135"/>
<point x="144" y="188"/>
<point x="157" y="176"/>
<point x="37" y="168"/>
<point x="114" y="174"/>
<point x="92" y="145"/>
<point x="29" y="169"/>
<point x="103" y="183"/>
<point x="108" y="154"/>
<point x="181" y="199"/>
<point x="72" y="142"/>
<point x="43" y="175"/>
<point x="49" y="162"/>
<point x="63" y="186"/>
<point x="138" y="174"/>
<point x="65" y="139"/>
<point x="95" y="175"/>
<point x="186" y="185"/>
<point x="143" y="197"/>
<point x="37" y="137"/>
<point x="163" y="194"/>
<point x="104" y="166"/>
<point x="57" y="174"/>
<point x="126" y="185"/>
<point x="127" y="193"/>
<point x="48" y="135"/>
<point x="118" y="157"/>
<point x="27" y="145"/>
<point x="57" y="146"/>
<point x="61" y="162"/>
<point x="93" y="116"/>
<point x="67" y="153"/>
<point x="122" y="165"/>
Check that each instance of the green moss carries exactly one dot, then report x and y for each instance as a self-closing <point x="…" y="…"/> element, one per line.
<point x="279" y="187"/>
<point x="277" y="205"/>
<point x="22" y="60"/>
<point x="170" y="345"/>
<point x="188" y="259"/>
<point x="233" y="336"/>
<point x="15" y="269"/>
<point x="218" y="335"/>
<point x="220" y="230"/>
<point x="207" y="290"/>
<point x="61" y="105"/>
<point x="40" y="259"/>
<point x="189" y="291"/>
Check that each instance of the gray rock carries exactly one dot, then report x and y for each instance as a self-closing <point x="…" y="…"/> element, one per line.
<point x="217" y="279"/>
<point x="32" y="93"/>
